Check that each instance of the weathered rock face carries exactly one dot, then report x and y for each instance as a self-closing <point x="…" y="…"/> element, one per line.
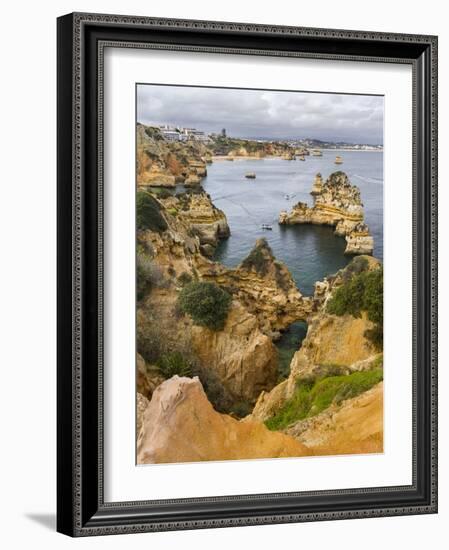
<point x="141" y="405"/>
<point x="336" y="203"/>
<point x="202" y="217"/>
<point x="180" y="425"/>
<point x="355" y="426"/>
<point x="147" y="379"/>
<point x="359" y="240"/>
<point x="331" y="342"/>
<point x="244" y="359"/>
<point x="265" y="287"/>
<point x="249" y="148"/>
<point x="241" y="356"/>
<point x="162" y="163"/>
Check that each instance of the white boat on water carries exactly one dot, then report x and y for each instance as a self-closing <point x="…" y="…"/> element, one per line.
<point x="267" y="226"/>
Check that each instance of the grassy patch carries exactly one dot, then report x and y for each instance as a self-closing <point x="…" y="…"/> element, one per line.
<point x="314" y="396"/>
<point x="174" y="362"/>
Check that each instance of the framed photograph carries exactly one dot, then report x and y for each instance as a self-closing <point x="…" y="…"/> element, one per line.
<point x="247" y="274"/>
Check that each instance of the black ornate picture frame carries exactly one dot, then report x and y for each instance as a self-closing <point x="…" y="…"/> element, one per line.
<point x="81" y="509"/>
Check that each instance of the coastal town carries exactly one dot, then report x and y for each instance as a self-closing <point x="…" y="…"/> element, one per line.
<point x="178" y="133"/>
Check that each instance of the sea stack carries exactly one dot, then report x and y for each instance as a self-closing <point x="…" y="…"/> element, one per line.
<point x="336" y="202"/>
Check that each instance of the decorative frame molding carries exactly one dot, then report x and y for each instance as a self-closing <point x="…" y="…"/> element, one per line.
<point x="81" y="41"/>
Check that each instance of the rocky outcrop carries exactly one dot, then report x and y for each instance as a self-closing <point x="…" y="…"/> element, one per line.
<point x="265" y="287"/>
<point x="332" y="340"/>
<point x="147" y="378"/>
<point x="180" y="425"/>
<point x="355" y="426"/>
<point x="141" y="405"/>
<point x="244" y="148"/>
<point x="244" y="359"/>
<point x="359" y="240"/>
<point x="333" y="343"/>
<point x="241" y="356"/>
<point x="336" y="203"/>
<point x="202" y="217"/>
<point x="162" y="163"/>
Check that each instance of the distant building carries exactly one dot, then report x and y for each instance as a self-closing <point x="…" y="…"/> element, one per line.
<point x="223" y="132"/>
<point x="171" y="135"/>
<point x="193" y="134"/>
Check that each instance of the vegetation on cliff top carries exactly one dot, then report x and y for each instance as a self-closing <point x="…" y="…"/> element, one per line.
<point x="362" y="292"/>
<point x="174" y="362"/>
<point x="311" y="396"/>
<point x="148" y="213"/>
<point x="206" y="303"/>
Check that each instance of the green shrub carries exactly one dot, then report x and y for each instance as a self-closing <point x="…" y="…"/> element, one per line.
<point x="174" y="362"/>
<point x="185" y="278"/>
<point x="148" y="213"/>
<point x="164" y="193"/>
<point x="311" y="397"/>
<point x="154" y="133"/>
<point x="206" y="303"/>
<point x="363" y="292"/>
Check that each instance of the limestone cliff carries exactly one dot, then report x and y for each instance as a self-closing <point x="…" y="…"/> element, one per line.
<point x="265" y="287"/>
<point x="336" y="203"/>
<point x="180" y="425"/>
<point x="202" y="217"/>
<point x="331" y="342"/>
<point x="234" y="147"/>
<point x="241" y="356"/>
<point x="355" y="426"/>
<point x="162" y="163"/>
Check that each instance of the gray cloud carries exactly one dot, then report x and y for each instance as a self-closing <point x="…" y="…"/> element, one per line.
<point x="258" y="113"/>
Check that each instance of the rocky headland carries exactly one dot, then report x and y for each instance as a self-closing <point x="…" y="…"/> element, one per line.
<point x="336" y="202"/>
<point x="208" y="385"/>
<point x="180" y="425"/>
<point x="201" y="216"/>
<point x="264" y="299"/>
<point x="265" y="287"/>
<point x="338" y="350"/>
<point x="224" y="146"/>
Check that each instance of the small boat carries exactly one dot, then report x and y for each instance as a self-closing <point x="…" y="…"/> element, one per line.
<point x="317" y="153"/>
<point x="267" y="226"/>
<point x="301" y="157"/>
<point x="338" y="160"/>
<point x="250" y="175"/>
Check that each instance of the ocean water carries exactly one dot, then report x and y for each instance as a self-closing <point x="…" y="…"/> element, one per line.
<point x="310" y="252"/>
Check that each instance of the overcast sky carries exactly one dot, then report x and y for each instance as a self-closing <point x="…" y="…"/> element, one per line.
<point x="256" y="113"/>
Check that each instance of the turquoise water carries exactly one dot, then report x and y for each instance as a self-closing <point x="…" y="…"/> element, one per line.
<point x="310" y="252"/>
<point x="289" y="342"/>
